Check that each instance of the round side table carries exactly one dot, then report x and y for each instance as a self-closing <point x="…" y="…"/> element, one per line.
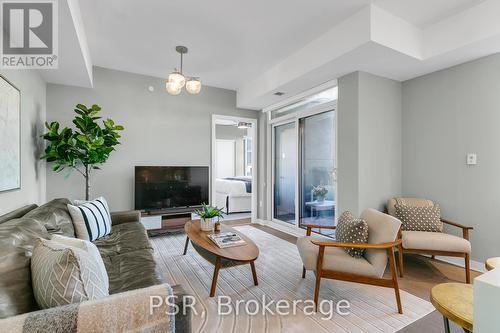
<point x="492" y="263"/>
<point x="454" y="301"/>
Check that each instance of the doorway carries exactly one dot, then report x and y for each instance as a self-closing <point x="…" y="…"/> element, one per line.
<point x="234" y="166"/>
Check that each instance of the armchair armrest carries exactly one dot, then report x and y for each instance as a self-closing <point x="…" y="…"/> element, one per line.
<point x="455" y="224"/>
<point x="465" y="229"/>
<point x="310" y="226"/>
<point x="136" y="310"/>
<point x="357" y="245"/>
<point x="125" y="217"/>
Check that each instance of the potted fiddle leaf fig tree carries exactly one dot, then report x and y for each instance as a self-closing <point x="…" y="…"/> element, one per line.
<point x="83" y="148"/>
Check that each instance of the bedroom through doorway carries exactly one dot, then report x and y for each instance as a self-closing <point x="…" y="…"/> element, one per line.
<point x="234" y="164"/>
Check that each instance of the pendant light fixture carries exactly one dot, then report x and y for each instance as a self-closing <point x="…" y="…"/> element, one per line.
<point x="177" y="80"/>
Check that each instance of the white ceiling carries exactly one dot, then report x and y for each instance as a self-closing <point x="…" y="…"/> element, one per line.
<point x="258" y="47"/>
<point x="423" y="13"/>
<point x="229" y="41"/>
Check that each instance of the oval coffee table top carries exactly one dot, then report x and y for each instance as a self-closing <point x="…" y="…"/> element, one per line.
<point x="247" y="252"/>
<point x="455" y="302"/>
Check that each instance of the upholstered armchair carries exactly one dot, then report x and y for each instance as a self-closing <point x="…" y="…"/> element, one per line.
<point x="432" y="243"/>
<point x="328" y="259"/>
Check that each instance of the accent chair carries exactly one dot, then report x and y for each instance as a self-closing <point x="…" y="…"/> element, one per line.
<point x="328" y="259"/>
<point x="432" y="243"/>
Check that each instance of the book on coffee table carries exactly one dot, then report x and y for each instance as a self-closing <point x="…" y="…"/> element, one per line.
<point x="226" y="239"/>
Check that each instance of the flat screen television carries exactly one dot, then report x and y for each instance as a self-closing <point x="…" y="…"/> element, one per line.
<point x="170" y="187"/>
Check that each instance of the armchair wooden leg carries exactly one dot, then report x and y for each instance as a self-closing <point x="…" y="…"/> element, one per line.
<point x="319" y="269"/>
<point x="303" y="272"/>
<point x="392" y="264"/>
<point x="401" y="260"/>
<point x="467" y="268"/>
<point x="316" y="290"/>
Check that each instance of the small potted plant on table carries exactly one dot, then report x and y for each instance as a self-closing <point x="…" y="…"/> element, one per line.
<point x="320" y="192"/>
<point x="209" y="217"/>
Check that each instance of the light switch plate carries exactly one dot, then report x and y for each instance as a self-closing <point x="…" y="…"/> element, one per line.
<point x="471" y="159"/>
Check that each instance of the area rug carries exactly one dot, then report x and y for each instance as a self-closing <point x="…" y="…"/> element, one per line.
<point x="279" y="269"/>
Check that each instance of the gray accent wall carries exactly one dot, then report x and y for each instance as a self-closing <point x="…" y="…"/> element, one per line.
<point x="160" y="129"/>
<point x="369" y="141"/>
<point x="446" y="115"/>
<point x="33" y="92"/>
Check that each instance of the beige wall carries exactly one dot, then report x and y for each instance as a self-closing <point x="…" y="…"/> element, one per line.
<point x="159" y="129"/>
<point x="33" y="109"/>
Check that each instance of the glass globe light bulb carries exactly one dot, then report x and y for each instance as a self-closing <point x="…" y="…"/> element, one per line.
<point x="193" y="86"/>
<point x="177" y="79"/>
<point x="172" y="89"/>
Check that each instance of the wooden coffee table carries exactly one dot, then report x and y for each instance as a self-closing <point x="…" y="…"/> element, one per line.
<point x="221" y="258"/>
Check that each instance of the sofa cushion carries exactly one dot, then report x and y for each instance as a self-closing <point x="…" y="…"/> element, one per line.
<point x="55" y="217"/>
<point x="17" y="238"/>
<point x="15" y="214"/>
<point x="334" y="259"/>
<point x="131" y="270"/>
<point x="124" y="238"/>
<point x="435" y="241"/>
<point x="128" y="257"/>
<point x="63" y="274"/>
<point x="415" y="218"/>
<point x="352" y="230"/>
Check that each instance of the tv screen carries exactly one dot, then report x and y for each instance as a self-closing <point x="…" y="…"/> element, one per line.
<point x="170" y="187"/>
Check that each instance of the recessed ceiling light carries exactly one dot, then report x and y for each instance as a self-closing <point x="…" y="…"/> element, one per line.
<point x="279" y="93"/>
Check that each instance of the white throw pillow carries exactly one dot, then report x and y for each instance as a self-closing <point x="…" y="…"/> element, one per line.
<point x="62" y="274"/>
<point x="88" y="247"/>
<point x="91" y="219"/>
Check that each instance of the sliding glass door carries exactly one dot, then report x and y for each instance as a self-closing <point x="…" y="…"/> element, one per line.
<point x="317" y="170"/>
<point x="304" y="161"/>
<point x="285" y="172"/>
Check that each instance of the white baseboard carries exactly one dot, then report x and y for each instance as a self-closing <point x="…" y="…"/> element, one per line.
<point x="476" y="266"/>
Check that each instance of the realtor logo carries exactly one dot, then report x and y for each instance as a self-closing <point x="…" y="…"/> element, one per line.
<point x="29" y="38"/>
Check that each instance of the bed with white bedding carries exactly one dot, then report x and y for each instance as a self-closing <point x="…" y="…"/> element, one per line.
<point x="234" y="194"/>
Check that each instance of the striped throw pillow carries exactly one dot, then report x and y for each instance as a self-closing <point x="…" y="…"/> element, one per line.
<point x="91" y="219"/>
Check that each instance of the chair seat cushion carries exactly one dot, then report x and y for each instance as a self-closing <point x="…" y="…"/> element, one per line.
<point x="334" y="259"/>
<point x="434" y="241"/>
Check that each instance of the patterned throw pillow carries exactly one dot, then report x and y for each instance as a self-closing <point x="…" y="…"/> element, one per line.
<point x="415" y="218"/>
<point x="91" y="219"/>
<point x="352" y="230"/>
<point x="63" y="274"/>
<point x="88" y="247"/>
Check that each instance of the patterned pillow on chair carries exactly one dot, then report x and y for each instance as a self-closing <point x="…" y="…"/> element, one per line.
<point x="419" y="218"/>
<point x="352" y="230"/>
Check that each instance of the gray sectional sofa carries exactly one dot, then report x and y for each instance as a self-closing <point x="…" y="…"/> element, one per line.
<point x="126" y="252"/>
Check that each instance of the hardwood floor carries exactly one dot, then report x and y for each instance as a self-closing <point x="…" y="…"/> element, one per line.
<point x="421" y="274"/>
